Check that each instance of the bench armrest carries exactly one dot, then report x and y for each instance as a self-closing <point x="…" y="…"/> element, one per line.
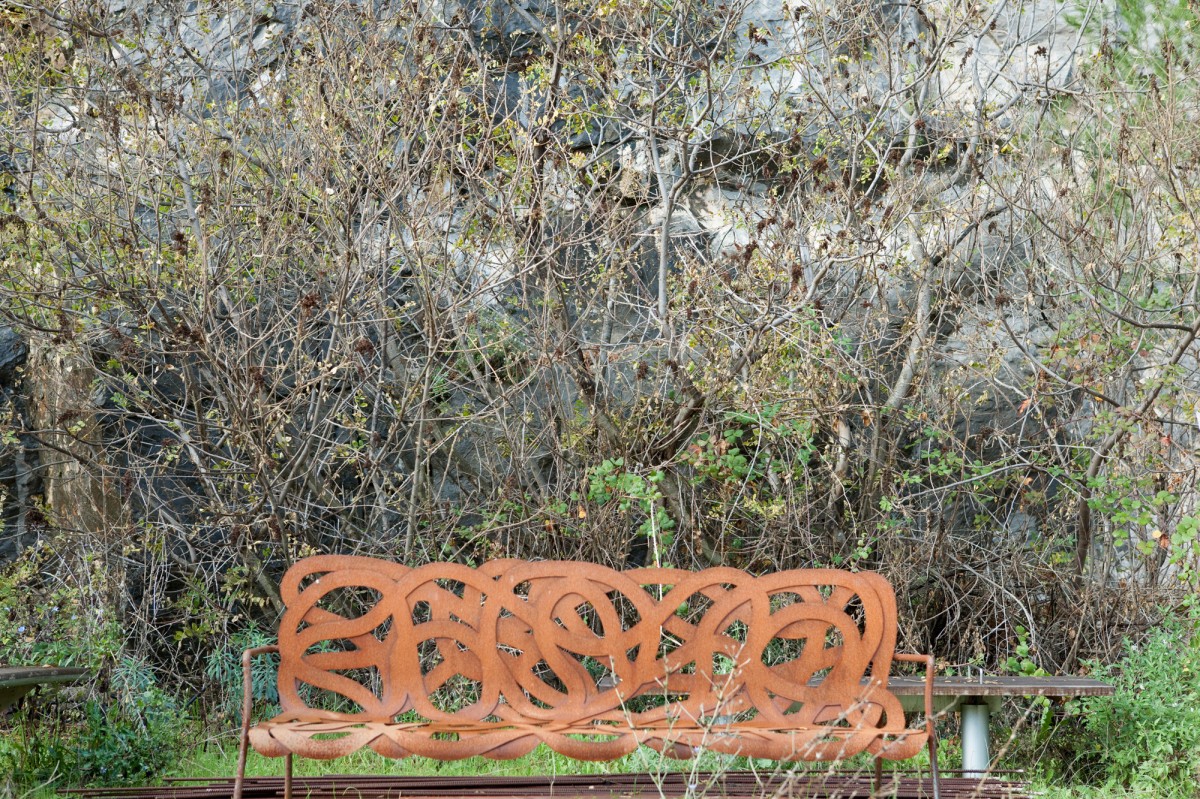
<point x="247" y="707"/>
<point x="247" y="684"/>
<point x="930" y="728"/>
<point x="929" y="669"/>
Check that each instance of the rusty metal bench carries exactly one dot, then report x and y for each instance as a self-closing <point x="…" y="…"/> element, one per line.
<point x="448" y="661"/>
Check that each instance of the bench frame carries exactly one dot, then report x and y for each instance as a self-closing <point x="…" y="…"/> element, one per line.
<point x="518" y="617"/>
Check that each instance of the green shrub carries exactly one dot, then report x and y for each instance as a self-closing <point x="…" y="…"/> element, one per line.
<point x="132" y="740"/>
<point x="129" y="737"/>
<point x="223" y="668"/>
<point x="55" y="622"/>
<point x="120" y="748"/>
<point x="1147" y="735"/>
<point x="120" y="728"/>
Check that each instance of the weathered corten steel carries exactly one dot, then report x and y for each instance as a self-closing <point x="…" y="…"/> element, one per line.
<point x="448" y="661"/>
<point x="785" y="784"/>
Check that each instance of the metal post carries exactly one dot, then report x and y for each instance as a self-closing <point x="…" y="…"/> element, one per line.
<point x="976" y="758"/>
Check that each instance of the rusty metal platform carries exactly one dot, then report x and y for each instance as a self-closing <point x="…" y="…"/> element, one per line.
<point x="730" y="785"/>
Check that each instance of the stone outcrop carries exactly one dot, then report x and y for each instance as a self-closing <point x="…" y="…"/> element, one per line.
<point x="79" y="492"/>
<point x="20" y="480"/>
<point x="800" y="99"/>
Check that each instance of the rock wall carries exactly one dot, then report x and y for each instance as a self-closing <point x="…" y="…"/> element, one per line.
<point x="761" y="283"/>
<point x="20" y="480"/>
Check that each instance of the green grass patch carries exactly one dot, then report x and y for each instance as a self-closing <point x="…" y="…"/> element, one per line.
<point x="219" y="759"/>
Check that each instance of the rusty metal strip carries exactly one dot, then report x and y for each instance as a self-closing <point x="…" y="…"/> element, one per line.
<point x="732" y="785"/>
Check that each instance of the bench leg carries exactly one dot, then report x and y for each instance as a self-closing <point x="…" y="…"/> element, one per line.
<point x="287" y="776"/>
<point x="976" y="756"/>
<point x="933" y="764"/>
<point x="240" y="781"/>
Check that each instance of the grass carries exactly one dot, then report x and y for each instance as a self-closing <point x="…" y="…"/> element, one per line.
<point x="1091" y="792"/>
<point x="219" y="759"/>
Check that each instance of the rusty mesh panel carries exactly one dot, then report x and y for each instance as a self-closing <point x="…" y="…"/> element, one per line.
<point x="449" y="661"/>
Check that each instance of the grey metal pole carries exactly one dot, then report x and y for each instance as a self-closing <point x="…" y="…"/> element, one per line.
<point x="975" y="755"/>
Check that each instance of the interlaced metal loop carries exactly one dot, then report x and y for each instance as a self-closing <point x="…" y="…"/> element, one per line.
<point x="449" y="661"/>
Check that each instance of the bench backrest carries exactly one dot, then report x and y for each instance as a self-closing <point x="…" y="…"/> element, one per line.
<point x="514" y="640"/>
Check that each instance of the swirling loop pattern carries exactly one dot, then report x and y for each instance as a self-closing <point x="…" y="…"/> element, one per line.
<point x="448" y="661"/>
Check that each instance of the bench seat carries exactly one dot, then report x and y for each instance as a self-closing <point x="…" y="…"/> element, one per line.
<point x="325" y="739"/>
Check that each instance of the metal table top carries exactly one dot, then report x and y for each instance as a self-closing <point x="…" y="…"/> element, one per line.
<point x="16" y="681"/>
<point x="1002" y="686"/>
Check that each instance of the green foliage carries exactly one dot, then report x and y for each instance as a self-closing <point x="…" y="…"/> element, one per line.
<point x="129" y="736"/>
<point x="1180" y="545"/>
<point x="132" y="740"/>
<point x="1147" y="735"/>
<point x="750" y="444"/>
<point x="126" y="732"/>
<point x="54" y="623"/>
<point x="1022" y="663"/>
<point x="1171" y="25"/>
<point x="224" y="669"/>
<point x="630" y="490"/>
<point x="542" y="761"/>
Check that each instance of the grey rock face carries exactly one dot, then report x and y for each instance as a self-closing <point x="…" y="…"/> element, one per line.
<point x="1034" y="44"/>
<point x="796" y="91"/>
<point x="19" y="481"/>
<point x="13" y="353"/>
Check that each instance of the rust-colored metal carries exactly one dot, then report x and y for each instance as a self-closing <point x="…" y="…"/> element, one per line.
<point x="727" y="785"/>
<point x="791" y="665"/>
